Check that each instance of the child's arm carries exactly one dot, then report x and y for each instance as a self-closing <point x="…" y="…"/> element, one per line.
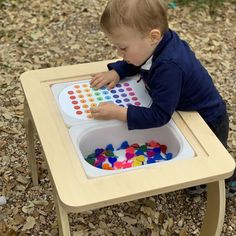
<point x="108" y="78"/>
<point x="109" y="111"/>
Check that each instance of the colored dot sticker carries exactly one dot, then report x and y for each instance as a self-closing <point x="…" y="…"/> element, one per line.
<point x="99" y="98"/>
<point x="79" y="112"/>
<point x="126" y="84"/>
<point x="74" y="102"/>
<point x="118" y="85"/>
<point x="70" y="92"/>
<point x="129" y="89"/>
<point x="76" y="86"/>
<point x="76" y="107"/>
<point x="72" y="97"/>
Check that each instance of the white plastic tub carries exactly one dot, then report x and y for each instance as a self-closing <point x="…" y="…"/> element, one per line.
<point x="87" y="137"/>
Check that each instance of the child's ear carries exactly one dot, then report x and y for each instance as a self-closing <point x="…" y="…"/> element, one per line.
<point x="155" y="35"/>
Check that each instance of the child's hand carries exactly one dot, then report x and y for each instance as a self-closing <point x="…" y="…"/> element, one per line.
<point x="108" y="78"/>
<point x="109" y="111"/>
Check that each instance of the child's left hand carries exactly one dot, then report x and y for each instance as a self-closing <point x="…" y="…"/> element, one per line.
<point x="109" y="111"/>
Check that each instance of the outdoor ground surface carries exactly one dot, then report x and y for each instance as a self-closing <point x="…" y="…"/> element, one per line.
<point x="48" y="33"/>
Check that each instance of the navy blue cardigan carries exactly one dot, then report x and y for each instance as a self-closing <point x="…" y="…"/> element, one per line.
<point x="175" y="81"/>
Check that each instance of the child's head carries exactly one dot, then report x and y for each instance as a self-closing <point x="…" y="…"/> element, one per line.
<point x="135" y="27"/>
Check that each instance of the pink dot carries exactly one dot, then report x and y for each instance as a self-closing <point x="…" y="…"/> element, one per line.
<point x="134" y="98"/>
<point x="76" y="107"/>
<point x="79" y="112"/>
<point x="74" y="102"/>
<point x="129" y="89"/>
<point x="137" y="103"/>
<point x="126" y="84"/>
<point x="131" y="94"/>
<point x="72" y="97"/>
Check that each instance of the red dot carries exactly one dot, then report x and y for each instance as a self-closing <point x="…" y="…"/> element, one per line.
<point x="137" y="103"/>
<point x="79" y="112"/>
<point x="74" y="102"/>
<point x="76" y="107"/>
<point x="134" y="98"/>
<point x="72" y="97"/>
<point x="70" y="92"/>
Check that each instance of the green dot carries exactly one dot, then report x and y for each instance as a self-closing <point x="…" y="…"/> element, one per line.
<point x="99" y="98"/>
<point x="97" y="93"/>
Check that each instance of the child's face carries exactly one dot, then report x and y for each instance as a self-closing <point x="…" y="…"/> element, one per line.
<point x="132" y="46"/>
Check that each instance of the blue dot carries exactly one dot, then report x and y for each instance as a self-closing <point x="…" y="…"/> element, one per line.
<point x="115" y="96"/>
<point x="126" y="100"/>
<point x="123" y="95"/>
<point x="105" y="92"/>
<point x="107" y="97"/>
<point x="113" y="91"/>
<point x="118" y="101"/>
<point x="118" y="85"/>
<point x="103" y="88"/>
<point x="121" y="90"/>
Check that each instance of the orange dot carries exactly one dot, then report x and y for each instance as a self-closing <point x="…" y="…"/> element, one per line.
<point x="78" y="91"/>
<point x="76" y="86"/>
<point x="87" y="111"/>
<point x="85" y="106"/>
<point x="80" y="96"/>
<point x="91" y="99"/>
<point x="89" y="116"/>
<point x="83" y="101"/>
<point x="84" y="85"/>
<point x="87" y="90"/>
<point x="79" y="112"/>
<point x="89" y="95"/>
<point x="93" y="105"/>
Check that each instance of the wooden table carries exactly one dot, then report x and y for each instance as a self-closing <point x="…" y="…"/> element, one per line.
<point x="74" y="192"/>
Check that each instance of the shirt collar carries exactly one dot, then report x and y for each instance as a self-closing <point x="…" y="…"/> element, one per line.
<point x="147" y="65"/>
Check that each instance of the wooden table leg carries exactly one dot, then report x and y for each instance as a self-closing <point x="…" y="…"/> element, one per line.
<point x="29" y="130"/>
<point x="62" y="217"/>
<point x="214" y="216"/>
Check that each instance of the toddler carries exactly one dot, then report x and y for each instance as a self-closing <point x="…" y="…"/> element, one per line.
<point x="173" y="76"/>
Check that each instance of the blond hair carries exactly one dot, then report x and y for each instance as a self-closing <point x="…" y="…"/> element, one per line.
<point x="141" y="15"/>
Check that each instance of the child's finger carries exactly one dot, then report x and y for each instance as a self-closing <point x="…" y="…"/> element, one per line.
<point x="111" y="85"/>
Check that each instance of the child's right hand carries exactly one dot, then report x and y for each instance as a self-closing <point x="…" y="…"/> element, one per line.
<point x="108" y="79"/>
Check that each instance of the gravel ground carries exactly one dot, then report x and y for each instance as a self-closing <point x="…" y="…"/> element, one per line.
<point x="48" y="33"/>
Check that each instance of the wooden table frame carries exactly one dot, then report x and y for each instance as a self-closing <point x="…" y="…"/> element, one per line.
<point x="74" y="192"/>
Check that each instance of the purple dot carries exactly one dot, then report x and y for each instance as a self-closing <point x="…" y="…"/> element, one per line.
<point x="118" y="101"/>
<point x="131" y="94"/>
<point x="118" y="85"/>
<point x="137" y="103"/>
<point x="123" y="95"/>
<point x="134" y="98"/>
<point x="115" y="96"/>
<point x="126" y="100"/>
<point x="128" y="104"/>
<point x="129" y="89"/>
<point x="121" y="90"/>
<point x="113" y="91"/>
<point x="126" y="84"/>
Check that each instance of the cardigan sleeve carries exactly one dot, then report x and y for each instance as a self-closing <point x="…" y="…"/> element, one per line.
<point x="124" y="69"/>
<point x="165" y="89"/>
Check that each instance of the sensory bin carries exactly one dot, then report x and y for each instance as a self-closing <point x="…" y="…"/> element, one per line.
<point x="127" y="156"/>
<point x="94" y="143"/>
